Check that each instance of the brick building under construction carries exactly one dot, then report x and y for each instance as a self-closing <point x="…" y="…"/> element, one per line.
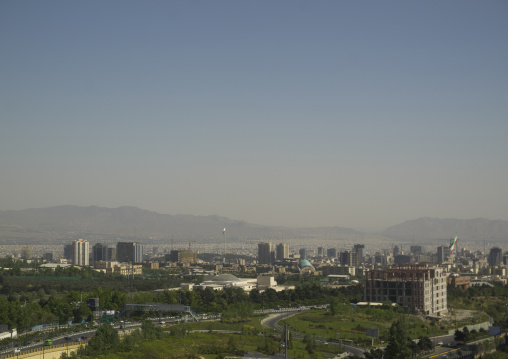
<point x="415" y="286"/>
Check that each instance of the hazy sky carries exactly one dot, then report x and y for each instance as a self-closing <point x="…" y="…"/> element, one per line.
<point x="298" y="113"/>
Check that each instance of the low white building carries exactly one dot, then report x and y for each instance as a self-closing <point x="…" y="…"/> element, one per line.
<point x="221" y="281"/>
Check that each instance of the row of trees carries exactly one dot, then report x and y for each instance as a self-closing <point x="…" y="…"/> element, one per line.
<point x="465" y="335"/>
<point x="42" y="308"/>
<point x="38" y="287"/>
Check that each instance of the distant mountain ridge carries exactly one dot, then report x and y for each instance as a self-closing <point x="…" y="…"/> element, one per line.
<point x="138" y="223"/>
<point x="61" y="223"/>
<point x="428" y="228"/>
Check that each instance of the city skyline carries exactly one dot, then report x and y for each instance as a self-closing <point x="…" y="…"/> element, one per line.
<point x="360" y="115"/>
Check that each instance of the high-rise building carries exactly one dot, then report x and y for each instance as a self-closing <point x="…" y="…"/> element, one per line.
<point x="266" y="254"/>
<point x="321" y="252"/>
<point x="349" y="258"/>
<point x="419" y="287"/>
<point x="495" y="256"/>
<point x="396" y="251"/>
<point x="282" y="251"/>
<point x="416" y="249"/>
<point x="125" y="251"/>
<point x="443" y="252"/>
<point x="380" y="258"/>
<point x="186" y="256"/>
<point x="26" y="252"/>
<point x="138" y="253"/>
<point x="48" y="257"/>
<point x="99" y="252"/>
<point x="110" y="254"/>
<point x="129" y="252"/>
<point x="80" y="253"/>
<point x="67" y="253"/>
<point x="331" y="252"/>
<point x="303" y="253"/>
<point x="402" y="259"/>
<point x="360" y="249"/>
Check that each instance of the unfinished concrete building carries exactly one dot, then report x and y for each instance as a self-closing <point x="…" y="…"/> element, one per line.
<point x="415" y="286"/>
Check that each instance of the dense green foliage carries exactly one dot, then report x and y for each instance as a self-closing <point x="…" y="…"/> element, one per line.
<point x="491" y="300"/>
<point x="399" y="343"/>
<point x="465" y="335"/>
<point x="60" y="296"/>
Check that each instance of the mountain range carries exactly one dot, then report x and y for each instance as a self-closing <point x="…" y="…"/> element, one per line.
<point x="427" y="228"/>
<point x="61" y="223"/>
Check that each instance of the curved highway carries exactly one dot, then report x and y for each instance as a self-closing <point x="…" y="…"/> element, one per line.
<point x="272" y="323"/>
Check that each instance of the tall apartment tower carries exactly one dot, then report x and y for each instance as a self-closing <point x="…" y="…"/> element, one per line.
<point x="349" y="258"/>
<point x="110" y="254"/>
<point x="80" y="253"/>
<point x="303" y="253"/>
<point x="416" y="249"/>
<point x="396" y="251"/>
<point x="360" y="249"/>
<point x="129" y="252"/>
<point x="331" y="252"/>
<point x="67" y="254"/>
<point x="266" y="254"/>
<point x="443" y="252"/>
<point x="282" y="251"/>
<point x="495" y="256"/>
<point x="99" y="252"/>
<point x="138" y="253"/>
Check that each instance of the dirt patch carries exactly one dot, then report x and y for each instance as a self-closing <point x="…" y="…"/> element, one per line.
<point x="462" y="314"/>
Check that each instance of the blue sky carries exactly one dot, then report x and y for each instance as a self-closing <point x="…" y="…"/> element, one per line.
<point x="320" y="113"/>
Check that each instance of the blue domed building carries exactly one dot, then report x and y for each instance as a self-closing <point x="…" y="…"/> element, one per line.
<point x="306" y="267"/>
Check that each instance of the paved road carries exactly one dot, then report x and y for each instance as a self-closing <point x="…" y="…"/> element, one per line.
<point x="70" y="338"/>
<point x="272" y="320"/>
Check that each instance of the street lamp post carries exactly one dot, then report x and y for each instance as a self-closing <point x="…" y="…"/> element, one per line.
<point x="26" y="332"/>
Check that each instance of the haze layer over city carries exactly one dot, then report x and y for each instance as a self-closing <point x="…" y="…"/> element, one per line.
<point x="295" y="114"/>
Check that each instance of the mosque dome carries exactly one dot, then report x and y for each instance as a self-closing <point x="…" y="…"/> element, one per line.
<point x="305" y="263"/>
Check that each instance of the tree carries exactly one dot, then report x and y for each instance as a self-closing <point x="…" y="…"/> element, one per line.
<point x="459" y="336"/>
<point x="61" y="309"/>
<point x="233" y="343"/>
<point x="399" y="343"/>
<point x="467" y="334"/>
<point x="106" y="339"/>
<point x="374" y="354"/>
<point x="334" y="306"/>
<point x="311" y="343"/>
<point x="238" y="310"/>
<point x="80" y="312"/>
<point x="424" y="343"/>
<point x="150" y="330"/>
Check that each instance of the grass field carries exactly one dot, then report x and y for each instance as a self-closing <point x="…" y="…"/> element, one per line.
<point x="351" y="327"/>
